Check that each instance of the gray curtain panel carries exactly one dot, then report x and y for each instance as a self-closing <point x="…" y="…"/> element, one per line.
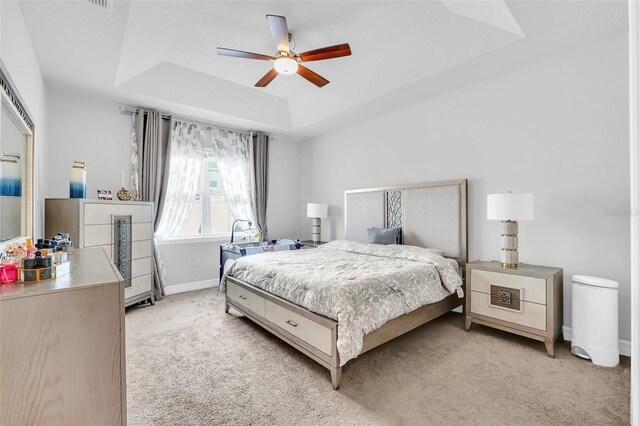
<point x="260" y="170"/>
<point x="152" y="133"/>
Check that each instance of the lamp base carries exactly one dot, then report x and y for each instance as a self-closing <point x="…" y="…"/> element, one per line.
<point x="509" y="252"/>
<point x="316" y="231"/>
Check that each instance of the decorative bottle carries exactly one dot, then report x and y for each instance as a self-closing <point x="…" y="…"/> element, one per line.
<point x="10" y="175"/>
<point x="78" y="180"/>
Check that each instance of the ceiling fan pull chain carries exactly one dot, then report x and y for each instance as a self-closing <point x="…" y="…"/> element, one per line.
<point x="292" y="40"/>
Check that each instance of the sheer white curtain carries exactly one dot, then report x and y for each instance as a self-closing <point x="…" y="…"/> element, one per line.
<point x="185" y="169"/>
<point x="233" y="151"/>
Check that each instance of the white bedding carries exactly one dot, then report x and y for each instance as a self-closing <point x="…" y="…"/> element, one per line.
<point x="362" y="286"/>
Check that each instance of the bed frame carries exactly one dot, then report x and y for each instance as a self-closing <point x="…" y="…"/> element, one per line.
<point x="431" y="214"/>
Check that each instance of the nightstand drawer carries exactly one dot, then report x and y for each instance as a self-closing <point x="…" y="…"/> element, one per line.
<point x="525" y="288"/>
<point x="528" y="314"/>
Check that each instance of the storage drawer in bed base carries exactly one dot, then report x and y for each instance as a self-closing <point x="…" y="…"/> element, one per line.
<point x="315" y="326"/>
<point x="314" y="331"/>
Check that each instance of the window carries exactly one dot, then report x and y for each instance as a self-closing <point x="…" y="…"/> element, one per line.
<point x="210" y="214"/>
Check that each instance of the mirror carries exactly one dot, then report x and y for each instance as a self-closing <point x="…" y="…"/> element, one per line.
<point x="16" y="171"/>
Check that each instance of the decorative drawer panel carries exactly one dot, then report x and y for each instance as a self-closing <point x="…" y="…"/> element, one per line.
<point x="505" y="297"/>
<point x="528" y="314"/>
<point x="100" y="235"/>
<point x="303" y="328"/>
<point x="526" y="288"/>
<point x="139" y="285"/>
<point x="140" y="267"/>
<point x="245" y="298"/>
<point x="139" y="249"/>
<point x="99" y="214"/>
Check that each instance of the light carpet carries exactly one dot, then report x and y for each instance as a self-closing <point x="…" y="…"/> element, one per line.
<point x="189" y="363"/>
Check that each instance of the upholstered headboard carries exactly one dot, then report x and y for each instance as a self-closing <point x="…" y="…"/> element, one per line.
<point x="432" y="214"/>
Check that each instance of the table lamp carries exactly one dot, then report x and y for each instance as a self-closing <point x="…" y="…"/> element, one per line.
<point x="317" y="211"/>
<point x="509" y="208"/>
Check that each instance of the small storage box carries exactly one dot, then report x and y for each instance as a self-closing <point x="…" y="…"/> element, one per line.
<point x="41" y="274"/>
<point x="36" y="275"/>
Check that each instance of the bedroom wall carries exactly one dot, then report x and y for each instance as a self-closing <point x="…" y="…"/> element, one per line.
<point x="89" y="129"/>
<point x="84" y="127"/>
<point x="557" y="129"/>
<point x="18" y="56"/>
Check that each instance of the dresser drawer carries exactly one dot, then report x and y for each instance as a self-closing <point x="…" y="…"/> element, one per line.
<point x="140" y="267"/>
<point x="139" y="285"/>
<point x="139" y="249"/>
<point x="99" y="214"/>
<point x="245" y="298"/>
<point x="529" y="314"/>
<point x="99" y="235"/>
<point x="303" y="328"/>
<point x="526" y="288"/>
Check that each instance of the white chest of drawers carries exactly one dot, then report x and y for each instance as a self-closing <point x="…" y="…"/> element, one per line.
<point x="123" y="229"/>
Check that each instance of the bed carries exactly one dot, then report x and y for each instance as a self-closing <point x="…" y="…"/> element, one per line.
<point x="345" y="298"/>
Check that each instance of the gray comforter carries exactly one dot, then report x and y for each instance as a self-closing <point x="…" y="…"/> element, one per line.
<point x="362" y="286"/>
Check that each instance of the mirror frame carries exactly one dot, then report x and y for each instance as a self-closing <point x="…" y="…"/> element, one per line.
<point x="14" y="105"/>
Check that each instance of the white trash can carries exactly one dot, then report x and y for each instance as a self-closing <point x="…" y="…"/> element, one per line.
<point x="594" y="320"/>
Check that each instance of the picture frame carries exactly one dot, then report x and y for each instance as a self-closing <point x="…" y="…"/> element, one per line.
<point x="104" y="194"/>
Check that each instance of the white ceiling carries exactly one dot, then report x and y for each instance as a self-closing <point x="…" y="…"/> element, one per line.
<point x="162" y="53"/>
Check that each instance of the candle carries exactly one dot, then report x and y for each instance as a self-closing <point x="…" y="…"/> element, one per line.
<point x="123" y="178"/>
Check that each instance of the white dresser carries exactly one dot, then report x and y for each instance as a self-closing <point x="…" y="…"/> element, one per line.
<point x="123" y="229"/>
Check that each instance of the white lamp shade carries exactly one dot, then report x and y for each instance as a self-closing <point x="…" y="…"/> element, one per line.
<point x="510" y="206"/>
<point x="317" y="210"/>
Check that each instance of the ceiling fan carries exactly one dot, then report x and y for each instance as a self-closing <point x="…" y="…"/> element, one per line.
<point x="286" y="61"/>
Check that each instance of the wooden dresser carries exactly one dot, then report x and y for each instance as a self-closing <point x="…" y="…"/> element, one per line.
<point x="526" y="300"/>
<point x="124" y="229"/>
<point x="62" y="348"/>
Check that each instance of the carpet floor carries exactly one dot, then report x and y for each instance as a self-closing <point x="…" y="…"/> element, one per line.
<point x="189" y="363"/>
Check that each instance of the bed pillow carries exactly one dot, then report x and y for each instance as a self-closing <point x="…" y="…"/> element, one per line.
<point x="384" y="235"/>
<point x="438" y="251"/>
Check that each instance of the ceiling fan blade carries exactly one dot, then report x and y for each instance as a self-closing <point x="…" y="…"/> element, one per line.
<point x="279" y="32"/>
<point x="316" y="79"/>
<point x="267" y="78"/>
<point x="329" y="52"/>
<point x="242" y="54"/>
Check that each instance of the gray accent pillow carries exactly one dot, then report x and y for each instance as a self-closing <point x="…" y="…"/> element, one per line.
<point x="384" y="235"/>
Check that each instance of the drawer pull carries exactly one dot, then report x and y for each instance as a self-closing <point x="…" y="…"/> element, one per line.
<point x="292" y="323"/>
<point x="504" y="297"/>
<point x="243" y="297"/>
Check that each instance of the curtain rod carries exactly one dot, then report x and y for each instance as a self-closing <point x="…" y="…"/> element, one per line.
<point x="129" y="110"/>
<point x="165" y="116"/>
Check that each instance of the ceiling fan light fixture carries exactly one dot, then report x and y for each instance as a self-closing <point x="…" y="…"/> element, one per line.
<point x="286" y="61"/>
<point x="285" y="65"/>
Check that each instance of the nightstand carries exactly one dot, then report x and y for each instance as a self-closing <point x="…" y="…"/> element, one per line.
<point x="526" y="300"/>
<point x="311" y="244"/>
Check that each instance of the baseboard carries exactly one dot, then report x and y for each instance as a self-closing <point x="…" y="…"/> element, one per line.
<point x="623" y="345"/>
<point x="197" y="285"/>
